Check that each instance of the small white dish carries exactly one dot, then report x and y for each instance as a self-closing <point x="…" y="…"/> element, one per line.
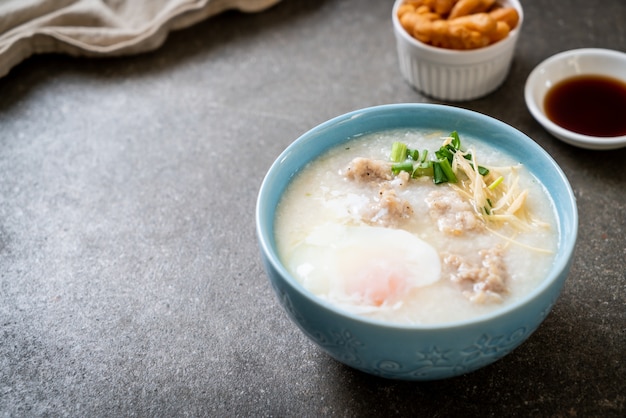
<point x="576" y="62"/>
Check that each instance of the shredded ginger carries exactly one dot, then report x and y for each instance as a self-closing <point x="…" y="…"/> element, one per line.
<point x="497" y="197"/>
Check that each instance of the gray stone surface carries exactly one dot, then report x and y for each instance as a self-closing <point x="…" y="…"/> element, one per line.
<point x="130" y="281"/>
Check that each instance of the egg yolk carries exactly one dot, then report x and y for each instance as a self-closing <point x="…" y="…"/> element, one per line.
<point x="373" y="280"/>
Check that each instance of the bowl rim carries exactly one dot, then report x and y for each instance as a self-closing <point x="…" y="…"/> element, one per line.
<point x="264" y="232"/>
<point x="536" y="109"/>
<point x="454" y="54"/>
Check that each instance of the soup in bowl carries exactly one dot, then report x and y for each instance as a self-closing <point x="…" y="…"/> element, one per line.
<point x="416" y="241"/>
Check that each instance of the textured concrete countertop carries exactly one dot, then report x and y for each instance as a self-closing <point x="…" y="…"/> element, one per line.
<point x="130" y="281"/>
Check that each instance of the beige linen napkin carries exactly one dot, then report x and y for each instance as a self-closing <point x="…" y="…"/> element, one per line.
<point x="100" y="27"/>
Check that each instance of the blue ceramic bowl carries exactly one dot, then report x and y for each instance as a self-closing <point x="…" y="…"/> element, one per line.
<point x="415" y="352"/>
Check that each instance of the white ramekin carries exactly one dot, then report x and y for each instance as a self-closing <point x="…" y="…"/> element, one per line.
<point x="455" y="75"/>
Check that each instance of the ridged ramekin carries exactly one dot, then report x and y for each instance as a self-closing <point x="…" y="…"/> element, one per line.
<point x="455" y="75"/>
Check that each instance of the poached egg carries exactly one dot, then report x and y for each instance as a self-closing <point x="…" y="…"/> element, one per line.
<point x="363" y="268"/>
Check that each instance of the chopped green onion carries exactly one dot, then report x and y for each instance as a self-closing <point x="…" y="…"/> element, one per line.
<point x="438" y="174"/>
<point x="483" y="171"/>
<point x="403" y="166"/>
<point x="456" y="141"/>
<point x="445" y="153"/>
<point x="440" y="169"/>
<point x="495" y="183"/>
<point x="413" y="154"/>
<point x="447" y="170"/>
<point x="423" y="169"/>
<point x="398" y="152"/>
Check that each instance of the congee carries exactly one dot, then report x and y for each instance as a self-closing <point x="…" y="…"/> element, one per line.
<point x="416" y="227"/>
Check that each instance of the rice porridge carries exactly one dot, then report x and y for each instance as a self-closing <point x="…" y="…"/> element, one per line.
<point x="416" y="227"/>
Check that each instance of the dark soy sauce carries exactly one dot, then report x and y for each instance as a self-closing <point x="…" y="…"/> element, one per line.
<point x="589" y="105"/>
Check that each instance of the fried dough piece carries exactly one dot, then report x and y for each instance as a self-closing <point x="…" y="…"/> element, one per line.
<point x="507" y="15"/>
